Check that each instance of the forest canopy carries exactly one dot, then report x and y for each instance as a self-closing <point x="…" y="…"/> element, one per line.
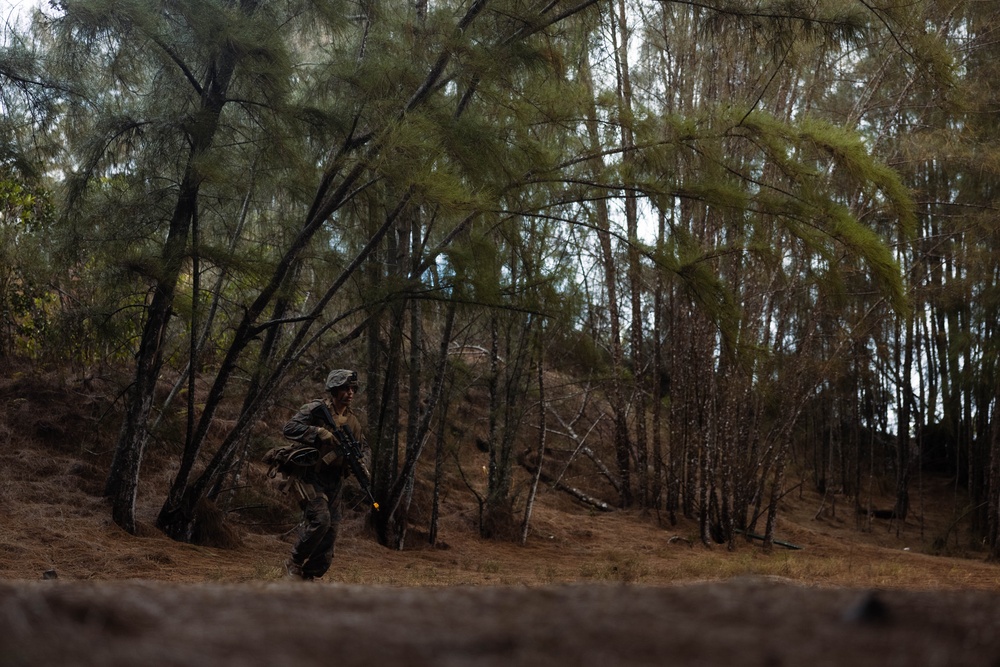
<point x="762" y="231"/>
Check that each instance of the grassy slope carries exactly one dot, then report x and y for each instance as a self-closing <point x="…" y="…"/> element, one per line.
<point x="54" y="435"/>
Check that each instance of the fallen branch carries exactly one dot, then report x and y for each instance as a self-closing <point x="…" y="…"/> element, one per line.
<point x="582" y="447"/>
<point x="787" y="545"/>
<point x="576" y="493"/>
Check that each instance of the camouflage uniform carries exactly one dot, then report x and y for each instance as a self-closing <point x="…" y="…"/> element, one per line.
<point x="319" y="488"/>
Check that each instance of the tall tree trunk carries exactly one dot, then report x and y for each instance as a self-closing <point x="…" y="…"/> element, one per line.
<point x="388" y="523"/>
<point x="659" y="378"/>
<point x="993" y="521"/>
<point x="603" y="222"/>
<point x="495" y="505"/>
<point x="123" y="476"/>
<point x="422" y="411"/>
<point x="443" y="375"/>
<point x="542" y="432"/>
<point x="905" y="401"/>
<point x="625" y="118"/>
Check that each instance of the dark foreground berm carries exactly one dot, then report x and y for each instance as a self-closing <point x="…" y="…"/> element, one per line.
<point x="746" y="621"/>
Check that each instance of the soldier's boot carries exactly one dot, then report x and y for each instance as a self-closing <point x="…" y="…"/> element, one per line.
<point x="293" y="570"/>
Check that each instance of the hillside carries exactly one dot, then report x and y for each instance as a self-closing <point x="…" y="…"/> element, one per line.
<point x="52" y="429"/>
<point x="141" y="595"/>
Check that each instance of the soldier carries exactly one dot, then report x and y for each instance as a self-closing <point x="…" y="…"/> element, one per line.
<point x="319" y="487"/>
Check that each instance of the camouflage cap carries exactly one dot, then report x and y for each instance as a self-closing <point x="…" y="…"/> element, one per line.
<point x="341" y="378"/>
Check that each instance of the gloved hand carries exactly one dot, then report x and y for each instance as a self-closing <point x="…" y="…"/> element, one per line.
<point x="326" y="439"/>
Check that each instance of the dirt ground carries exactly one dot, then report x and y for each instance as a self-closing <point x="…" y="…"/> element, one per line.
<point x="588" y="588"/>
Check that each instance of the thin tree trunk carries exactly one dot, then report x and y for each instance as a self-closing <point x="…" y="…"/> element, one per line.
<point x="621" y="444"/>
<point x="903" y="428"/>
<point x="637" y="343"/>
<point x="421" y="430"/>
<point x="659" y="469"/>
<point x="542" y="430"/>
<point x="993" y="520"/>
<point x="123" y="476"/>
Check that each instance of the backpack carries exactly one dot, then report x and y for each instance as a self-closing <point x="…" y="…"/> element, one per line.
<point x="290" y="459"/>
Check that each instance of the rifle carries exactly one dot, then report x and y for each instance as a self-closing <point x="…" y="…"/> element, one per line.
<point x="349" y="447"/>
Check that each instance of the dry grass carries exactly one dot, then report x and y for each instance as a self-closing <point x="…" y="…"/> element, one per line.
<point x="54" y="519"/>
<point x="651" y="593"/>
<point x="73" y="536"/>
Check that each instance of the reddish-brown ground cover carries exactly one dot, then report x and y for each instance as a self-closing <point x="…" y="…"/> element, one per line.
<point x="588" y="588"/>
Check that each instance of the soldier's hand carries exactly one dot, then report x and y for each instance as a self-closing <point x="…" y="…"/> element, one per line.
<point x="324" y="436"/>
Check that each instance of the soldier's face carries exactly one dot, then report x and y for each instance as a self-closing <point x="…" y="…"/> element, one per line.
<point x="343" y="397"/>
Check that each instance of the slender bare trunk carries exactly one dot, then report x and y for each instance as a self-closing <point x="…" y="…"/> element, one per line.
<point x="542" y="431"/>
<point x="603" y="222"/>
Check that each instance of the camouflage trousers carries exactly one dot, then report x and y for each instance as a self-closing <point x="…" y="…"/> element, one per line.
<point x="313" y="552"/>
